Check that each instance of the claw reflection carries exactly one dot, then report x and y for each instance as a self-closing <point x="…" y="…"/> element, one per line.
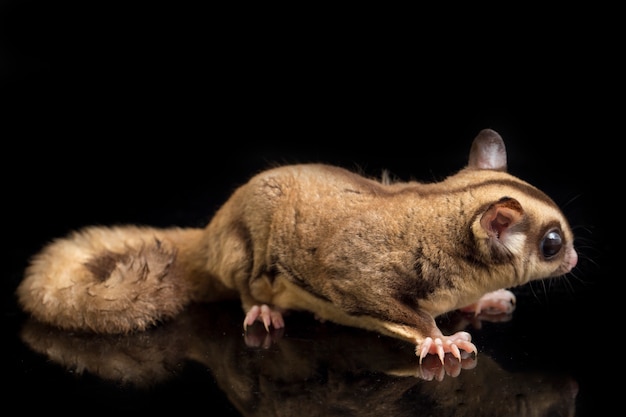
<point x="307" y="369"/>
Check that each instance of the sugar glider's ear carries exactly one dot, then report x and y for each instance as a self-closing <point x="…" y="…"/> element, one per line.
<point x="488" y="151"/>
<point x="501" y="216"/>
<point x="497" y="228"/>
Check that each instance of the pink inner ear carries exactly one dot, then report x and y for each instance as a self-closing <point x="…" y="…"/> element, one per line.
<point x="500" y="216"/>
<point x="501" y="222"/>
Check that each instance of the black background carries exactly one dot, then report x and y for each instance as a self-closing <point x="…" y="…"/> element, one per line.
<point x="153" y="113"/>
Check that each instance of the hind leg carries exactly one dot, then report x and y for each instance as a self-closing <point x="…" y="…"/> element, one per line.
<point x="257" y="304"/>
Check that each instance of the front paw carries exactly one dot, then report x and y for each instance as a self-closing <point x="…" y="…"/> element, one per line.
<point x="441" y="345"/>
<point x="499" y="302"/>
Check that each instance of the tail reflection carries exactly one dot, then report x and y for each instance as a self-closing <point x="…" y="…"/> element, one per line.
<point x="312" y="369"/>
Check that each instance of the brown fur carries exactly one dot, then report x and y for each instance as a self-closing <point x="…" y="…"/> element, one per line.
<point x="388" y="257"/>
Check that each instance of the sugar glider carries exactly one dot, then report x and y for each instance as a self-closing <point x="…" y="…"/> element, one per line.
<point x="375" y="254"/>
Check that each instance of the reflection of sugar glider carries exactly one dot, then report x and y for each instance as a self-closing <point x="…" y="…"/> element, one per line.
<point x="383" y="256"/>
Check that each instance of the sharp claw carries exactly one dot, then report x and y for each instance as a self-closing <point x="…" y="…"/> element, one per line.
<point x="440" y="351"/>
<point x="251" y="317"/>
<point x="266" y="316"/>
<point x="467" y="346"/>
<point x="425" y="348"/>
<point x="455" y="351"/>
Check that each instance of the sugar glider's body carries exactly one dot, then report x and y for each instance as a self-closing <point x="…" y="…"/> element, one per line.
<point x="389" y="257"/>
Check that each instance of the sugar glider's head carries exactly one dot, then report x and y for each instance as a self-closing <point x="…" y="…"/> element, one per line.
<point x="514" y="222"/>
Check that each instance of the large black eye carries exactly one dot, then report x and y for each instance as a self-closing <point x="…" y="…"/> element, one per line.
<point x="551" y="243"/>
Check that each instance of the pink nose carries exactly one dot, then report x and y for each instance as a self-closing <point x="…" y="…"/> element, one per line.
<point x="572" y="259"/>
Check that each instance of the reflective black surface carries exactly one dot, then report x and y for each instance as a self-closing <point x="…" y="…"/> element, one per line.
<point x="529" y="365"/>
<point x="311" y="369"/>
<point x="153" y="115"/>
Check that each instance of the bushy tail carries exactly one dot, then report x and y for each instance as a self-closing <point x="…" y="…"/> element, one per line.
<point x="107" y="280"/>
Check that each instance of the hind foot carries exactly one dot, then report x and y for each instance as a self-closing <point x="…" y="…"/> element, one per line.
<point x="266" y="315"/>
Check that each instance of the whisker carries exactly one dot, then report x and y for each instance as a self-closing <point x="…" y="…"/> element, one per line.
<point x="568" y="284"/>
<point x="574" y="276"/>
<point x="536" y="294"/>
<point x="571" y="200"/>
